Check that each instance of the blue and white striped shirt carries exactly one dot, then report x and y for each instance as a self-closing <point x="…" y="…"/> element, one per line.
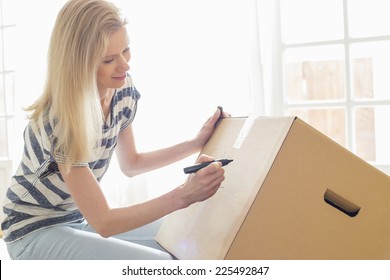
<point x="38" y="197"/>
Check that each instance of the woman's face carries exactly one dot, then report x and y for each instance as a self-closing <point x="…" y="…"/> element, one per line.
<point x="112" y="71"/>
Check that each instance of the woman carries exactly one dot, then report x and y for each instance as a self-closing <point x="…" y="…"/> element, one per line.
<point x="55" y="208"/>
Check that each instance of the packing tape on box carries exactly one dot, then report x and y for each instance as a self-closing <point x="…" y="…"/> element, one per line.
<point x="244" y="132"/>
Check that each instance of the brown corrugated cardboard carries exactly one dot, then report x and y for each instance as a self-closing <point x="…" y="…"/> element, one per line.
<point x="290" y="193"/>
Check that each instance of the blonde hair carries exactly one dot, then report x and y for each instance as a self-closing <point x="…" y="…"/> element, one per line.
<point x="78" y="43"/>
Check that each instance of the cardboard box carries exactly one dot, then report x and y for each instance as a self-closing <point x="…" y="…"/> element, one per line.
<point x="290" y="193"/>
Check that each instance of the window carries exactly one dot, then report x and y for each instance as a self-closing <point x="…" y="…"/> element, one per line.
<point x="335" y="63"/>
<point x="7" y="79"/>
<point x="7" y="91"/>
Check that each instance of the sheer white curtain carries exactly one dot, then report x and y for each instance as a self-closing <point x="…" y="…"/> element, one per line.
<point x="188" y="57"/>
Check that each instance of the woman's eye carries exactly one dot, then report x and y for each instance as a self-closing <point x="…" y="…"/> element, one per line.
<point x="108" y="61"/>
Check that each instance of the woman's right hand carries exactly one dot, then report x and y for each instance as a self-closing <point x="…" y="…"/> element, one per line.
<point x="204" y="183"/>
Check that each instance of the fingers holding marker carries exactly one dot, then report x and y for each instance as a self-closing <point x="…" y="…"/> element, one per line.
<point x="199" y="166"/>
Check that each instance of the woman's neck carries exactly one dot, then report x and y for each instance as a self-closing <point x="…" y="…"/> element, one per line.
<point x="105" y="102"/>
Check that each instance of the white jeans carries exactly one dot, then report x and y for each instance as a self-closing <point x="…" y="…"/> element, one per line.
<point x="78" y="241"/>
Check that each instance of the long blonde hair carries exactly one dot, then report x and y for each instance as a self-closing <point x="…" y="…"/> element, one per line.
<point x="78" y="43"/>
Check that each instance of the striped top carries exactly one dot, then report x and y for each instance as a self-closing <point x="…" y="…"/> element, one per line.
<point x="38" y="197"/>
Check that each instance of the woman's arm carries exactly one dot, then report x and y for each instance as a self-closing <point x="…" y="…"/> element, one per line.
<point x="108" y="221"/>
<point x="132" y="162"/>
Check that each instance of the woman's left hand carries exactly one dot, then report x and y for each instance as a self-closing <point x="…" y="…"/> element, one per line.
<point x="208" y="128"/>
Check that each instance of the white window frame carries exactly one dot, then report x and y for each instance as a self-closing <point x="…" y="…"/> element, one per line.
<point x="8" y="115"/>
<point x="274" y="47"/>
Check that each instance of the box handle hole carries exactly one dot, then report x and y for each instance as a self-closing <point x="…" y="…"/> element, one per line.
<point x="340" y="203"/>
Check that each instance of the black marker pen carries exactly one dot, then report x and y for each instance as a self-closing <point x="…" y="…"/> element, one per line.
<point x="196" y="167"/>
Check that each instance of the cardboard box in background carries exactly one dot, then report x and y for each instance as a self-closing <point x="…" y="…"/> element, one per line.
<point x="290" y="193"/>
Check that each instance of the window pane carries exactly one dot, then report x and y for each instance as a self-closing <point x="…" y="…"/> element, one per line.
<point x="365" y="133"/>
<point x="2" y="97"/>
<point x="368" y="18"/>
<point x="9" y="11"/>
<point x="371" y="68"/>
<point x="3" y="138"/>
<point x="3" y="179"/>
<point x="9" y="79"/>
<point x="315" y="73"/>
<point x="9" y="42"/>
<point x="330" y="122"/>
<point x="1" y="51"/>
<point x="7" y="93"/>
<point x="309" y="21"/>
<point x="371" y="133"/>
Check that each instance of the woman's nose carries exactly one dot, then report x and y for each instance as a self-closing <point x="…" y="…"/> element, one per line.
<point x="124" y="65"/>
